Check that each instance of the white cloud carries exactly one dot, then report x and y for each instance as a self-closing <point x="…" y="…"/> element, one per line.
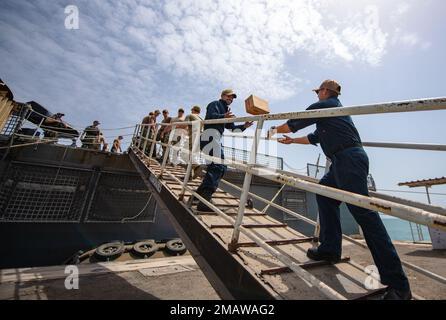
<point x="365" y="36"/>
<point x="402" y="8"/>
<point x="244" y="44"/>
<point x="199" y="46"/>
<point x="410" y="39"/>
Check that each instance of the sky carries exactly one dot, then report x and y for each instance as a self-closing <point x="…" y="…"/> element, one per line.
<point x="129" y="57"/>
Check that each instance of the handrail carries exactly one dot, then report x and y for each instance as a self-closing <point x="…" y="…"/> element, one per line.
<point x="405" y="145"/>
<point x="395" y="145"/>
<point x="427" y="104"/>
<point x="399" y="210"/>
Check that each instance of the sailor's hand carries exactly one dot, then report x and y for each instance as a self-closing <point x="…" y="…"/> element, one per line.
<point x="271" y="132"/>
<point x="285" y="140"/>
<point x="229" y="114"/>
<point x="248" y="124"/>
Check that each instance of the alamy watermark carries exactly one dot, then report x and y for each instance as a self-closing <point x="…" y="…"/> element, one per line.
<point x="72" y="18"/>
<point x="373" y="280"/>
<point x="72" y="280"/>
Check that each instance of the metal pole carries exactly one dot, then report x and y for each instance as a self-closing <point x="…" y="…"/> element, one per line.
<point x="145" y="138"/>
<point x="393" y="145"/>
<point x="411" y="146"/>
<point x="153" y="141"/>
<point x="38" y="127"/>
<point x="195" y="146"/>
<point x="273" y="199"/>
<point x="139" y="134"/>
<point x="427" y="194"/>
<point x="317" y="228"/>
<point x="134" y="136"/>
<point x="246" y="186"/>
<point x="166" y="155"/>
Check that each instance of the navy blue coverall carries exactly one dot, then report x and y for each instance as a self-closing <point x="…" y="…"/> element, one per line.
<point x="212" y="134"/>
<point x="341" y="143"/>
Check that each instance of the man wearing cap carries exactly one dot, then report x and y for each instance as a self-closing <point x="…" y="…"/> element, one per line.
<point x="349" y="169"/>
<point x="177" y="138"/>
<point x="211" y="136"/>
<point x="51" y="122"/>
<point x="163" y="134"/>
<point x="116" y="147"/>
<point x="90" y="136"/>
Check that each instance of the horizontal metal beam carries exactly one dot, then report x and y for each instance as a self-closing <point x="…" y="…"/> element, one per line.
<point x="399" y="210"/>
<point x="411" y="146"/>
<point x="392" y="145"/>
<point x="428" y="104"/>
<point x="404" y="212"/>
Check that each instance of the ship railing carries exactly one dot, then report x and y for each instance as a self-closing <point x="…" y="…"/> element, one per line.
<point x="144" y="138"/>
<point x="12" y="132"/>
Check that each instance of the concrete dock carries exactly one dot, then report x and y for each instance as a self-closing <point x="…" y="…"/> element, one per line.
<point x="150" y="279"/>
<point x="179" y="277"/>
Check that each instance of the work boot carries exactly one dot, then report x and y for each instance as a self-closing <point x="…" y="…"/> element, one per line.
<point x="393" y="294"/>
<point x="207" y="195"/>
<point x="314" y="254"/>
<point x="249" y="204"/>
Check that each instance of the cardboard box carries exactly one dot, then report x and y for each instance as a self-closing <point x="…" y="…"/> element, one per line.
<point x="255" y="106"/>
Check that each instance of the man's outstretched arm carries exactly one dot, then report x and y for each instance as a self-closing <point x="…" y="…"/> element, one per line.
<point x="283" y="128"/>
<point x="299" y="140"/>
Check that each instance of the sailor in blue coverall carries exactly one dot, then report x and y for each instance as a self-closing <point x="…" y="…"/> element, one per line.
<point x="210" y="144"/>
<point x="349" y="168"/>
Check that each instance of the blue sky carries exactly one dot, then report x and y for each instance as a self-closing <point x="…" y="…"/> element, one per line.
<point x="129" y="57"/>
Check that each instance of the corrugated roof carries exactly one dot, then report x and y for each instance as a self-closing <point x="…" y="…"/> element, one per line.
<point x="424" y="183"/>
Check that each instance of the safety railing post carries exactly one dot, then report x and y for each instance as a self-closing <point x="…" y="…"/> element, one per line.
<point x="146" y="138"/>
<point x="134" y="136"/>
<point x="138" y="136"/>
<point x="195" y="147"/>
<point x="38" y="127"/>
<point x="153" y="146"/>
<point x="246" y="187"/>
<point x="317" y="227"/>
<point x="273" y="199"/>
<point x="167" y="150"/>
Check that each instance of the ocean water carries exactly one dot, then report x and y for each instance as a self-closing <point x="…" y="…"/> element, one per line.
<point x="400" y="229"/>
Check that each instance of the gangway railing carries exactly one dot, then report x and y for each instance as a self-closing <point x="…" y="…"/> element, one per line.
<point x="404" y="211"/>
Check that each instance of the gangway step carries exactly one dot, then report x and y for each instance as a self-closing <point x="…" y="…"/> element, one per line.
<point x="306" y="265"/>
<point x="377" y="293"/>
<point x="276" y="242"/>
<point x="274" y="225"/>
<point x="229" y="213"/>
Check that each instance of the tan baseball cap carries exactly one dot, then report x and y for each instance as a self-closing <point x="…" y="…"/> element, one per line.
<point x="330" y="85"/>
<point x="196" y="109"/>
<point x="228" y="92"/>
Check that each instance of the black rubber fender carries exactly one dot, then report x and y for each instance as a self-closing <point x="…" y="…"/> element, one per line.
<point x="175" y="247"/>
<point x="145" y="248"/>
<point x="109" y="251"/>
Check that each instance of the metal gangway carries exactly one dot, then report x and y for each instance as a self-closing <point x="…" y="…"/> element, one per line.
<point x="246" y="254"/>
